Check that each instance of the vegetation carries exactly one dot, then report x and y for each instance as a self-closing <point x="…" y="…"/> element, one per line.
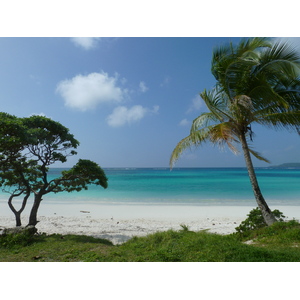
<point x="253" y="241"/>
<point x="28" y="146"/>
<point x="257" y="82"/>
<point x="255" y="220"/>
<point x="279" y="242"/>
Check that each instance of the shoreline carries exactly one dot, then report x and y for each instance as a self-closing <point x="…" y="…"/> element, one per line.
<point x="119" y="223"/>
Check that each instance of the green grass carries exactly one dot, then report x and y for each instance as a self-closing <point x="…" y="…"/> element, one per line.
<point x="277" y="243"/>
<point x="280" y="235"/>
<point x="56" y="248"/>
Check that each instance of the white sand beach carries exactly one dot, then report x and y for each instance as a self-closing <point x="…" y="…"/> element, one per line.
<point x="119" y="223"/>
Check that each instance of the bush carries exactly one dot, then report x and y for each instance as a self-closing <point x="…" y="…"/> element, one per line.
<point x="18" y="238"/>
<point x="255" y="220"/>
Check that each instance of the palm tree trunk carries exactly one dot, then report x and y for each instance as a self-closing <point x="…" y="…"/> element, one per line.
<point x="262" y="204"/>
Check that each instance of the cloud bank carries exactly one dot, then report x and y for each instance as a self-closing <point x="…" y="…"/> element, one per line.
<point x="87" y="92"/>
<point x="86" y="43"/>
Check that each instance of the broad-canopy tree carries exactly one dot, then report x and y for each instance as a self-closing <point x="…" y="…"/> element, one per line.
<point x="12" y="179"/>
<point x="257" y="82"/>
<point x="28" y="147"/>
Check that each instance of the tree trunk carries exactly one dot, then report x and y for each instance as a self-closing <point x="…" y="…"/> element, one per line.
<point x="262" y="204"/>
<point x="18" y="219"/>
<point x="17" y="213"/>
<point x="33" y="213"/>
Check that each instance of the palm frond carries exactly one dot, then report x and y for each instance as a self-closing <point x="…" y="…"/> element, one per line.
<point x="230" y="64"/>
<point x="204" y="120"/>
<point x="279" y="60"/>
<point x="258" y="155"/>
<point x="224" y="134"/>
<point x="193" y="140"/>
<point x="289" y="89"/>
<point x="282" y="51"/>
<point x="247" y="45"/>
<point x="281" y="120"/>
<point x="216" y="101"/>
<point x="263" y="95"/>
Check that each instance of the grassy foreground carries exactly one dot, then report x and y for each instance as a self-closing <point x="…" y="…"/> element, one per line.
<point x="277" y="243"/>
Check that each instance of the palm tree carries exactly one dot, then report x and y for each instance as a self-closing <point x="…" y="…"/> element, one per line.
<point x="257" y="82"/>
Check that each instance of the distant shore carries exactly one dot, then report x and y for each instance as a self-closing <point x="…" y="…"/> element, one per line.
<point x="119" y="223"/>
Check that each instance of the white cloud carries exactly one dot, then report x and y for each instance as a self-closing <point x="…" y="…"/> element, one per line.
<point x="122" y="115"/>
<point x="155" y="109"/>
<point x="143" y="87"/>
<point x="123" y="81"/>
<point x="196" y="104"/>
<point x="184" y="122"/>
<point x="166" y="81"/>
<point x="86" y="92"/>
<point x="86" y="43"/>
<point x="40" y="114"/>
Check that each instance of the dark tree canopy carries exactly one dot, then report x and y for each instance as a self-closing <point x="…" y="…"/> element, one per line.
<point x="49" y="141"/>
<point x="28" y="147"/>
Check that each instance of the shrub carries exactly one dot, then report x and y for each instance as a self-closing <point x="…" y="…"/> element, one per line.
<point x="17" y="238"/>
<point x="255" y="220"/>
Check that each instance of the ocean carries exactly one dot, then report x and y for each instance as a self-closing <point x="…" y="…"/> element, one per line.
<point x="189" y="186"/>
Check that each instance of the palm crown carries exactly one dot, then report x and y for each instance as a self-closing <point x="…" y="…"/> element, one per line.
<point x="257" y="82"/>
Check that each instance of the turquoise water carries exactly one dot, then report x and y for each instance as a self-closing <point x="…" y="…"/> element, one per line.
<point x="201" y="186"/>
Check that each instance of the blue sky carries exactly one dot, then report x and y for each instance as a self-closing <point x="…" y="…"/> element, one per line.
<point x="128" y="101"/>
